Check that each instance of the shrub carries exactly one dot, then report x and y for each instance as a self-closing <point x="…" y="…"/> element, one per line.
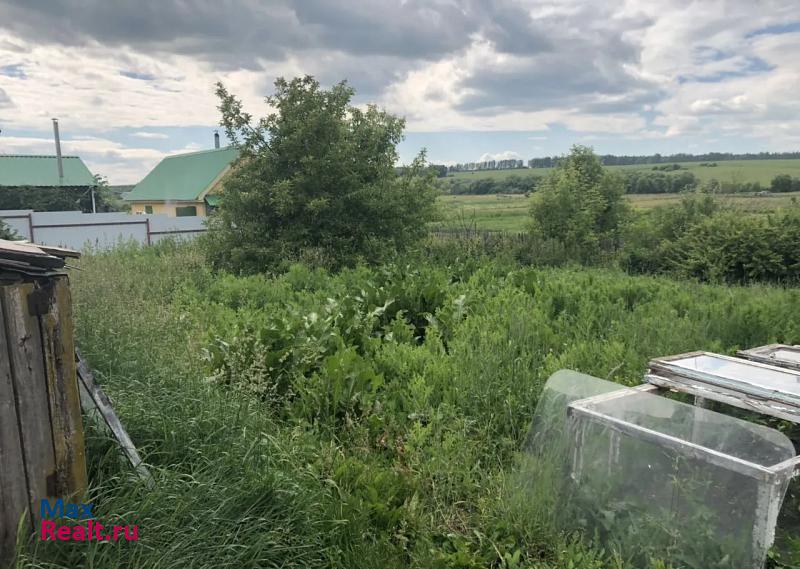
<point x="581" y="206"/>
<point x="316" y="183"/>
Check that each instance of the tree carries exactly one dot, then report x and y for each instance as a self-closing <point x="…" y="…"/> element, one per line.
<point x="316" y="181"/>
<point x="581" y="206"/>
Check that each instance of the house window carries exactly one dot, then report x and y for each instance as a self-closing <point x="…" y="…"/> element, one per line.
<point x="186" y="211"/>
<point x="148" y="209"/>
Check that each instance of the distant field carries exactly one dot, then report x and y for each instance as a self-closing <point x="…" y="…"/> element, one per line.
<point x="726" y="171"/>
<point x="510" y="213"/>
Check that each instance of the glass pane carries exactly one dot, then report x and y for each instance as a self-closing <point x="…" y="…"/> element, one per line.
<point x="745" y="374"/>
<point x="741" y="439"/>
<point x="647" y="497"/>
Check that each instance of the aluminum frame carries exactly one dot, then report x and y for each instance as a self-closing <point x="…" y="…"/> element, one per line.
<point x="771" y="479"/>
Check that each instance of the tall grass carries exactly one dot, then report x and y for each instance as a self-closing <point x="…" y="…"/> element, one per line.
<point x="371" y="418"/>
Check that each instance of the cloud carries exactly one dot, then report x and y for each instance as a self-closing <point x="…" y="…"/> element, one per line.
<point x="505" y="155"/>
<point x="5" y="100"/>
<point x="150" y="135"/>
<point x="667" y="71"/>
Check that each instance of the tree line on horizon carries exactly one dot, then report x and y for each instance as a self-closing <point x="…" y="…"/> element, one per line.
<point x="443" y="170"/>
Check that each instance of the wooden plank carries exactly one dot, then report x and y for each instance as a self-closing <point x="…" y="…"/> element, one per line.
<point x="95" y="399"/>
<point x="722" y="394"/>
<point x="29" y="254"/>
<point x="27" y="369"/>
<point x="62" y="390"/>
<point x="13" y="484"/>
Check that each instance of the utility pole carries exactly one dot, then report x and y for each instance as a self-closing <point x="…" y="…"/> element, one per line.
<point x="58" y="152"/>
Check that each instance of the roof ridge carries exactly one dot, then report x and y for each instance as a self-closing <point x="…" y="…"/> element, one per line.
<point x="206" y="151"/>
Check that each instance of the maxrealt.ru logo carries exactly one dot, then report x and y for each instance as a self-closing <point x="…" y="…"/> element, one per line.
<point x="83" y="528"/>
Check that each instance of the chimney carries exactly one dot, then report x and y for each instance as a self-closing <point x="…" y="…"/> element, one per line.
<point x="58" y="152"/>
<point x="216" y="139"/>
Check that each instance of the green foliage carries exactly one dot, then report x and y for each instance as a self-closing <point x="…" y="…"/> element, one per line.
<point x="645" y="182"/>
<point x="6" y="232"/>
<point x="370" y="418"/>
<point x="581" y="206"/>
<point x="316" y="182"/>
<point x="698" y="239"/>
<point x="734" y="248"/>
<point x="650" y="239"/>
<point x="785" y="183"/>
<point x="511" y="184"/>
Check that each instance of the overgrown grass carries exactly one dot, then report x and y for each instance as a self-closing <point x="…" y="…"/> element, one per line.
<point x="371" y="418"/>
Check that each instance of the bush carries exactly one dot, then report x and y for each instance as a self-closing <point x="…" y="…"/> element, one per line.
<point x="316" y="183"/>
<point x="783" y="183"/>
<point x="733" y="248"/>
<point x="581" y="206"/>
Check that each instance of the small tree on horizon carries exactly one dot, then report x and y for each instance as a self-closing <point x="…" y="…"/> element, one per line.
<point x="581" y="206"/>
<point x="316" y="182"/>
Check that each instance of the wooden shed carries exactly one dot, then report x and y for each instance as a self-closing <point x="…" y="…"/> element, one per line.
<point x="42" y="452"/>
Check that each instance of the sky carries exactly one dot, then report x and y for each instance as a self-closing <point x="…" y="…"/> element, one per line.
<point x="133" y="81"/>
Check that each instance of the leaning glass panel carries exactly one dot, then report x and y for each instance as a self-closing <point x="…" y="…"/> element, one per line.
<point x="652" y="478"/>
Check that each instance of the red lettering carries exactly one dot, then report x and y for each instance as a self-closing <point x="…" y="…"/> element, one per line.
<point x="63" y="533"/>
<point x="97" y="528"/>
<point x="79" y="533"/>
<point x="134" y="535"/>
<point x="48" y="529"/>
<point x="117" y="529"/>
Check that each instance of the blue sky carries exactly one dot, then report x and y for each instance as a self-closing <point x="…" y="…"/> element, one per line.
<point x="133" y="82"/>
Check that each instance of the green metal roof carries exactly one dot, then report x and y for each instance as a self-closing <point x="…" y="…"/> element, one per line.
<point x="212" y="200"/>
<point x="183" y="177"/>
<point x="40" y="171"/>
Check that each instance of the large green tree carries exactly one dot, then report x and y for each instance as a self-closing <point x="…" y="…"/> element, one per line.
<point x="581" y="206"/>
<point x="316" y="182"/>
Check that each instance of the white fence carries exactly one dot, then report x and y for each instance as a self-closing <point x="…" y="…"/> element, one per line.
<point x="75" y="230"/>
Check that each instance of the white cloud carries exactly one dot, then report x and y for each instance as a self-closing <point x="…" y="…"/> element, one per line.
<point x="504" y="155"/>
<point x="633" y="68"/>
<point x="151" y="135"/>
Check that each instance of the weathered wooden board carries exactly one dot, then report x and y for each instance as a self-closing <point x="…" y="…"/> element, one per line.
<point x="24" y="341"/>
<point x="93" y="398"/>
<point x="13" y="485"/>
<point x="62" y="389"/>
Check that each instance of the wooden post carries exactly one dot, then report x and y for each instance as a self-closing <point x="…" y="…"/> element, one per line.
<point x="41" y="433"/>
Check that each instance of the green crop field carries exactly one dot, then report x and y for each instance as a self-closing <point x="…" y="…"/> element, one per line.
<point x="510" y="212"/>
<point x="761" y="171"/>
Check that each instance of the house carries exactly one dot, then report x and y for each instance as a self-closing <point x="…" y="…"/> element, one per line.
<point x="37" y="171"/>
<point x="184" y="184"/>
